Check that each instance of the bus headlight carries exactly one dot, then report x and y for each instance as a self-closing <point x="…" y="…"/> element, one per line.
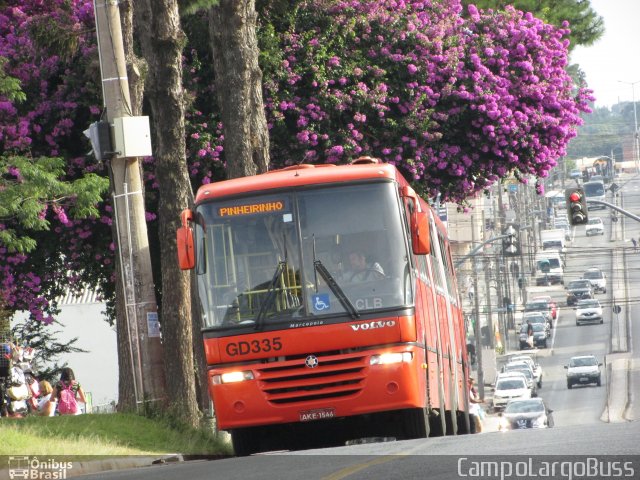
<point x="232" y="377"/>
<point x="389" y="358"/>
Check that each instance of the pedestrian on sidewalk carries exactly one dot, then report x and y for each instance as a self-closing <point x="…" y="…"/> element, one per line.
<point x="635" y="244"/>
<point x="67" y="392"/>
<point x="529" y="334"/>
<point x="476" y="413"/>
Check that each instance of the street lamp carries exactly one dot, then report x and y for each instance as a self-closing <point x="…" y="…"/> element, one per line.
<point x="635" y="120"/>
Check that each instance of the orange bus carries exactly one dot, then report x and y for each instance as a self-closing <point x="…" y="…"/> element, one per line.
<point x="329" y="307"/>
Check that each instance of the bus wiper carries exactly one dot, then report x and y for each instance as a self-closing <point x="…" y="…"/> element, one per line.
<point x="335" y="288"/>
<point x="271" y="296"/>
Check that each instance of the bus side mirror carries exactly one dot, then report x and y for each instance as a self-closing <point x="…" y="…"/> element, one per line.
<point x="184" y="242"/>
<point x="419" y="224"/>
<point x="420" y="233"/>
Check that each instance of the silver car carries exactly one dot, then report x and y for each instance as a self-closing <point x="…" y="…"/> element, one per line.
<point x="588" y="311"/>
<point x="583" y="369"/>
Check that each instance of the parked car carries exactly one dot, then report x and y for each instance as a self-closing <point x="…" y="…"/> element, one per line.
<point x="594" y="226"/>
<point x="583" y="369"/>
<point x="531" y="359"/>
<point x="597" y="278"/>
<point x="578" y="290"/>
<point x="551" y="304"/>
<point x="509" y="388"/>
<point x="525" y="369"/>
<point x="589" y="311"/>
<point x="539" y="307"/>
<point x="503" y="375"/>
<point x="539" y="336"/>
<point x="529" y="413"/>
<point x="576" y="173"/>
<point x="537" y="317"/>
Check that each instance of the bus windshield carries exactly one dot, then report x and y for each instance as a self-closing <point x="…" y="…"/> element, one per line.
<point x="594" y="189"/>
<point x="264" y="259"/>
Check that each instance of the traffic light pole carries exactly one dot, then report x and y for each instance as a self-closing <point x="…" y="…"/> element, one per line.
<point x="478" y="248"/>
<point x="616" y="208"/>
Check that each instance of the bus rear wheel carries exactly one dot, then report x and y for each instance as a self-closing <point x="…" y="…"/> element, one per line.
<point x="414" y="423"/>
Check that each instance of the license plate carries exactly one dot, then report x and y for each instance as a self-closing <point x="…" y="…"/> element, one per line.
<point x="318" y="414"/>
<point x="521" y="424"/>
<point x="584" y="379"/>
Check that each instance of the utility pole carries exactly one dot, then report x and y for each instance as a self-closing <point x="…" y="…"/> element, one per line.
<point x="476" y="325"/>
<point x="487" y="275"/>
<point x="134" y="260"/>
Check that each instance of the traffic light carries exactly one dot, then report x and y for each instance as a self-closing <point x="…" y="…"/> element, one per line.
<point x="511" y="241"/>
<point x="577" y="206"/>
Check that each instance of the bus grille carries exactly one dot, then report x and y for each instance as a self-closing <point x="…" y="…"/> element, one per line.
<point x="292" y="381"/>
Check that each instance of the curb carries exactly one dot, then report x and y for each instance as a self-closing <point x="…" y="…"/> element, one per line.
<point x="94" y="466"/>
<point x="618" y="375"/>
<point x="618" y="362"/>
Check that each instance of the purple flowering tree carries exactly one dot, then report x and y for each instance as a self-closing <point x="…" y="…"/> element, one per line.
<point x="59" y="76"/>
<point x="455" y="102"/>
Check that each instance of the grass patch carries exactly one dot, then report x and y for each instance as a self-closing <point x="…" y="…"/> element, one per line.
<point x="113" y="434"/>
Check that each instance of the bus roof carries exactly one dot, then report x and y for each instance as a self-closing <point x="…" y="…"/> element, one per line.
<point x="299" y="175"/>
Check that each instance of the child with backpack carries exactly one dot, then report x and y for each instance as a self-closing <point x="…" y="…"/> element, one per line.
<point x="66" y="394"/>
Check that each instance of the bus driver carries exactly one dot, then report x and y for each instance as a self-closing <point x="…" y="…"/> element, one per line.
<point x="362" y="269"/>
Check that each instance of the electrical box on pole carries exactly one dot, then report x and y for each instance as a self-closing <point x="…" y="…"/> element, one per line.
<point x="132" y="137"/>
<point x="99" y="134"/>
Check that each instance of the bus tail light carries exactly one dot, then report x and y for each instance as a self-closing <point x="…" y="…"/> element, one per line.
<point x="389" y="358"/>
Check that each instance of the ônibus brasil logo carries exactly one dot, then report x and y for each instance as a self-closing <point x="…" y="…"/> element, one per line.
<point x="34" y="468"/>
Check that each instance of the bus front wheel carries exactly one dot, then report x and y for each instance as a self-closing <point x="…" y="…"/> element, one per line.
<point x="245" y="441"/>
<point x="415" y="423"/>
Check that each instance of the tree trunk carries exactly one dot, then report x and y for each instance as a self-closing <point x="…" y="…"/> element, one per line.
<point x="162" y="40"/>
<point x="238" y="79"/>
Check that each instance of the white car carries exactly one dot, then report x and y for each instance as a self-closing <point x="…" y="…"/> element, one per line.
<point x="583" y="369"/>
<point x="538" y="317"/>
<point x="526" y="370"/>
<point x="597" y="279"/>
<point x="588" y="311"/>
<point x="537" y="369"/>
<point x="508" y="389"/>
<point x="594" y="227"/>
<point x="512" y="374"/>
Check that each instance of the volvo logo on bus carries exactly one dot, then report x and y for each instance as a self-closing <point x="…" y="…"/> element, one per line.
<point x="311" y="361"/>
<point x="372" y="325"/>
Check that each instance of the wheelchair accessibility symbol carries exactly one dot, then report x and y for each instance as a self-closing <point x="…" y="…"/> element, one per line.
<point x="321" y="302"/>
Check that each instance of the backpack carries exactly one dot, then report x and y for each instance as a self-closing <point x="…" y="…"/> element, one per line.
<point x="68" y="405"/>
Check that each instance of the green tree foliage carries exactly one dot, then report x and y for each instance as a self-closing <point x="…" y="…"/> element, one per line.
<point x="44" y="341"/>
<point x="585" y="24"/>
<point x="9" y="86"/>
<point x="28" y="187"/>
<point x="604" y="132"/>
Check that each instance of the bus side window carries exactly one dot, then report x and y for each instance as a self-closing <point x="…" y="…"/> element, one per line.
<point x="435" y="260"/>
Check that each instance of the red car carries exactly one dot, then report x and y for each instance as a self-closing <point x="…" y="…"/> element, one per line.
<point x="553" y="306"/>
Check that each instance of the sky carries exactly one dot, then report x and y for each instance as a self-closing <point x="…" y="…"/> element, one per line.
<point x="615" y="58"/>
